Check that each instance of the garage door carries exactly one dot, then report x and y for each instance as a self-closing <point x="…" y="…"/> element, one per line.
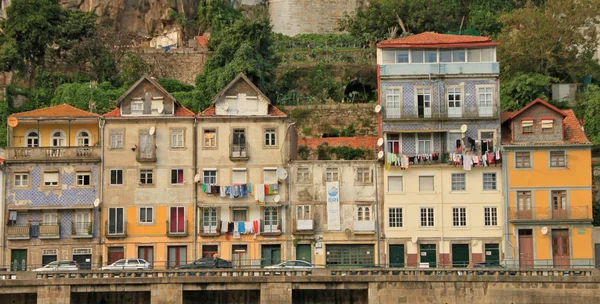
<point x="350" y="255"/>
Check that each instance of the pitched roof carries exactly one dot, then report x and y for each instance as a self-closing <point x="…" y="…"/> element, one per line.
<point x="152" y="81"/>
<point x="63" y="110"/>
<point x="180" y="111"/>
<point x="436" y="40"/>
<point x="234" y="81"/>
<point x="531" y="104"/>
<point x="202" y="41"/>
<point x="273" y="111"/>
<point x="351" y="142"/>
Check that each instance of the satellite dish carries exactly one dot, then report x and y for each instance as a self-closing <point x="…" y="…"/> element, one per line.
<point x="13" y="122"/>
<point x="380" y="155"/>
<point x="463" y="129"/>
<point x="161" y="108"/>
<point x="276" y="198"/>
<point x="282" y="173"/>
<point x="96" y="202"/>
<point x="380" y="142"/>
<point x="414" y="239"/>
<point x="197" y="178"/>
<point x="544" y="230"/>
<point x="377" y="108"/>
<point x="152" y="130"/>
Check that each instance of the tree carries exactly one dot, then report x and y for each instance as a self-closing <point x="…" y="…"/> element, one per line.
<point x="215" y="15"/>
<point x="557" y="38"/>
<point x="484" y="15"/>
<point x="520" y="90"/>
<point x="588" y="109"/>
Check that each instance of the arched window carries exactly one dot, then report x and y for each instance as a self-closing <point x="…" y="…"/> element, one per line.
<point x="59" y="139"/>
<point x="32" y="139"/>
<point x="360" y="213"/>
<point x="367" y="214"/>
<point x="84" y="138"/>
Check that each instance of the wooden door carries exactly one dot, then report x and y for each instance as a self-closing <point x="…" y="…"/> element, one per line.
<point x="18" y="259"/>
<point x="560" y="247"/>
<point x="146" y="253"/>
<point x="396" y="255"/>
<point x="492" y="254"/>
<point x="177" y="255"/>
<point x="525" y="249"/>
<point x="460" y="255"/>
<point x="115" y="254"/>
<point x="304" y="253"/>
<point x="429" y="255"/>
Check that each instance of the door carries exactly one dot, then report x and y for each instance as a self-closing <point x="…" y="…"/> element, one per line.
<point x="560" y="247"/>
<point x="177" y="224"/>
<point x="177" y="256"/>
<point x="428" y="255"/>
<point x="350" y="255"/>
<point x="597" y="254"/>
<point x="83" y="225"/>
<point x="116" y="224"/>
<point x="115" y="254"/>
<point x="146" y="253"/>
<point x="239" y="143"/>
<point x="271" y="220"/>
<point x="304" y="252"/>
<point x="525" y="248"/>
<point x="146" y="144"/>
<point x="485" y="102"/>
<point x="454" y="102"/>
<point x="18" y="260"/>
<point x="492" y="254"/>
<point x="83" y="260"/>
<point x="424" y="103"/>
<point x="271" y="255"/>
<point x="208" y="251"/>
<point x="396" y="256"/>
<point x="47" y="259"/>
<point x="460" y="255"/>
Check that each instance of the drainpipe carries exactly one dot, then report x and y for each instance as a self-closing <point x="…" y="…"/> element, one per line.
<point x="292" y="217"/>
<point x="5" y="211"/>
<point x="98" y="209"/>
<point x="195" y="202"/>
<point x="505" y="200"/>
<point x="377" y="213"/>
<point x="442" y="204"/>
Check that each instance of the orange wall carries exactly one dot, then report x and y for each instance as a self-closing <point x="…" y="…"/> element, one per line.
<point x="578" y="173"/>
<point x="19" y="132"/>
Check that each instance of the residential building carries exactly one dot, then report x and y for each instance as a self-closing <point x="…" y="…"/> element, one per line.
<point x="439" y="119"/>
<point x="335" y="204"/>
<point x="244" y="146"/>
<point x="148" y="186"/>
<point x="548" y="188"/>
<point x="52" y="183"/>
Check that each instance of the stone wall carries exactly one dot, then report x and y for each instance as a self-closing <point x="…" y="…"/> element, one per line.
<point x="181" y="64"/>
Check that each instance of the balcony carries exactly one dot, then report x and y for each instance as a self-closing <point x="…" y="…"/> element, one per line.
<point x="18" y="232"/>
<point x="239" y="152"/>
<point x="573" y="214"/>
<point x="441" y="158"/>
<point x="53" y="154"/>
<point x="272" y="228"/>
<point x="49" y="231"/>
<point x="212" y="229"/>
<point x="364" y="227"/>
<point x="82" y="230"/>
<point x="303" y="226"/>
<point x="177" y="229"/>
<point x="394" y="114"/>
<point x="427" y="69"/>
<point x="116" y="229"/>
<point x="146" y="155"/>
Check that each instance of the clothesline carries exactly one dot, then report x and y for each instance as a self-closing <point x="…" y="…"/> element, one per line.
<point x="405" y="160"/>
<point x="242" y="190"/>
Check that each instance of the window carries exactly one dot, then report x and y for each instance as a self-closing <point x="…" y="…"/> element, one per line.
<point x="331" y="175"/>
<point x="486" y="102"/>
<point x="393" y="143"/>
<point x="423" y="143"/>
<point x="524" y="200"/>
<point x="239" y="137"/>
<point x="271" y="216"/>
<point x="395" y="217"/>
<point x="363" y="213"/>
<point x="32" y="139"/>
<point x="527" y="126"/>
<point x="426" y="184"/>
<point x="146" y="215"/>
<point x="458" y="182"/>
<point x="116" y="176"/>
<point x="388" y="57"/>
<point x="454" y="141"/>
<point x="270" y="176"/>
<point x="116" y="139"/>
<point x="459" y="217"/>
<point x="83" y="223"/>
<point x="83" y="138"/>
<point x="146" y="176"/>
<point x="21" y="179"/>
<point x="176" y="176"/>
<point x="430" y="55"/>
<point x="547" y="125"/>
<point x="395" y="184"/>
<point x="458" y="55"/>
<point x="209" y="219"/>
<point x="480" y="55"/>
<point x="402" y="56"/>
<point x="416" y="56"/>
<point x="558" y="159"/>
<point x="303" y="212"/>
<point x="177" y="138"/>
<point x="454" y="97"/>
<point x="146" y="144"/>
<point x="239" y="214"/>
<point x="59" y="139"/>
<point x="363" y="175"/>
<point x="559" y="200"/>
<point x="392" y="103"/>
<point x="116" y="221"/>
<point x="83" y="178"/>
<point x="490" y="215"/>
<point x="424" y="102"/>
<point x="210" y="138"/>
<point x="137" y="106"/>
<point x="489" y="181"/>
<point x="427" y="219"/>
<point x="50" y="219"/>
<point x="270" y="136"/>
<point x="303" y="175"/>
<point x="50" y="179"/>
<point x="177" y="222"/>
<point x="522" y="160"/>
<point x="210" y="177"/>
<point x="446" y="55"/>
<point x="239" y="176"/>
<point x="487" y="141"/>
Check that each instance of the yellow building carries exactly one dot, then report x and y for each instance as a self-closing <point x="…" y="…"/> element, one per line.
<point x="548" y="188"/>
<point x="148" y="177"/>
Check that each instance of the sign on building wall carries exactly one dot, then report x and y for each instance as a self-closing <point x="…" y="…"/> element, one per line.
<point x="333" y="206"/>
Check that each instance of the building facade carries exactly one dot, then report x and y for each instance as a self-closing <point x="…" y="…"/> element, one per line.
<point x="548" y="192"/>
<point x="148" y="178"/>
<point x="52" y="188"/>
<point x="439" y="123"/>
<point x="244" y="145"/>
<point x="334" y="206"/>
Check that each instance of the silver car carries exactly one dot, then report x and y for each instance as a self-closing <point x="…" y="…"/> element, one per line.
<point x="296" y="264"/>
<point x="128" y="264"/>
<point x="59" y="266"/>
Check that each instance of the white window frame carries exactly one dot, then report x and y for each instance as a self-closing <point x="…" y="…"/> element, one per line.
<point x="116" y="138"/>
<point x="303" y="175"/>
<point x="137" y="106"/>
<point x="455" y="91"/>
<point x="271" y="218"/>
<point x="239" y="209"/>
<point x="459" y="217"/>
<point x="177" y="138"/>
<point x="146" y="176"/>
<point x="270" y="137"/>
<point x="390" y="177"/>
<point x="433" y="183"/>
<point x="490" y="216"/>
<point x="389" y="143"/>
<point x="458" y="181"/>
<point x="82" y="174"/>
<point x="233" y="175"/>
<point x="207" y="176"/>
<point x="61" y="139"/>
<point x="393" y="107"/>
<point x="35" y="140"/>
<point x="79" y="138"/>
<point x="364" y="213"/>
<point x="489" y="182"/>
<point x="51" y="183"/>
<point x="145" y="210"/>
<point x="363" y="175"/>
<point x="210" y="219"/>
<point x="422" y="90"/>
<point x="331" y="176"/>
<point x="50" y="218"/>
<point x="427" y="217"/>
<point x="395" y="217"/>
<point x="481" y="100"/>
<point x="21" y="179"/>
<point x="418" y="141"/>
<point x="303" y="212"/>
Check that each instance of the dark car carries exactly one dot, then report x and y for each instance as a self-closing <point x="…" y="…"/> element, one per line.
<point x="206" y="263"/>
<point x="485" y="265"/>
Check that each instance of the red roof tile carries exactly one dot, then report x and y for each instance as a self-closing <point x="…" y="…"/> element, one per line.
<point x="116" y="112"/>
<point x="273" y="111"/>
<point x="436" y="40"/>
<point x="574" y="133"/>
<point x="210" y="111"/>
<point x="180" y="111"/>
<point x="202" y="41"/>
<point x="536" y="101"/>
<point x="63" y="110"/>
<point x="351" y="142"/>
<point x="506" y="116"/>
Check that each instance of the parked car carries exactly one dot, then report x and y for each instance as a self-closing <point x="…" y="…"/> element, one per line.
<point x="59" y="266"/>
<point x="485" y="265"/>
<point x="128" y="264"/>
<point x="206" y="263"/>
<point x="295" y="264"/>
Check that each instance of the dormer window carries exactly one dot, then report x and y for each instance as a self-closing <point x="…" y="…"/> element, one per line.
<point x="137" y="106"/>
<point x="527" y="125"/>
<point x="547" y="125"/>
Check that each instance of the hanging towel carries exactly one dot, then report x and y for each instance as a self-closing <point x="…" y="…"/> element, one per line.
<point x="497" y="155"/>
<point x="250" y="189"/>
<point x="243" y="190"/>
<point x="256" y="227"/>
<point x="230" y="226"/>
<point x="236" y="234"/>
<point x="275" y="188"/>
<point x="249" y="227"/>
<point x="241" y="227"/>
<point x="208" y="189"/>
<point x="387" y="157"/>
<point x="467" y="162"/>
<point x="404" y="162"/>
<point x="217" y="189"/>
<point x="235" y="227"/>
<point x="204" y="188"/>
<point x="223" y="194"/>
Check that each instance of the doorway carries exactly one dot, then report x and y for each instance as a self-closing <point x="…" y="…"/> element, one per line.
<point x="597" y="254"/>
<point x="396" y="255"/>
<point x="208" y="251"/>
<point x="525" y="248"/>
<point x="428" y="254"/>
<point x="270" y="255"/>
<point x="492" y="254"/>
<point x="304" y="252"/>
<point x="460" y="255"/>
<point x="115" y="254"/>
<point x="560" y="248"/>
<point x="83" y="257"/>
<point x="177" y="255"/>
<point x="146" y="253"/>
<point x="18" y="259"/>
